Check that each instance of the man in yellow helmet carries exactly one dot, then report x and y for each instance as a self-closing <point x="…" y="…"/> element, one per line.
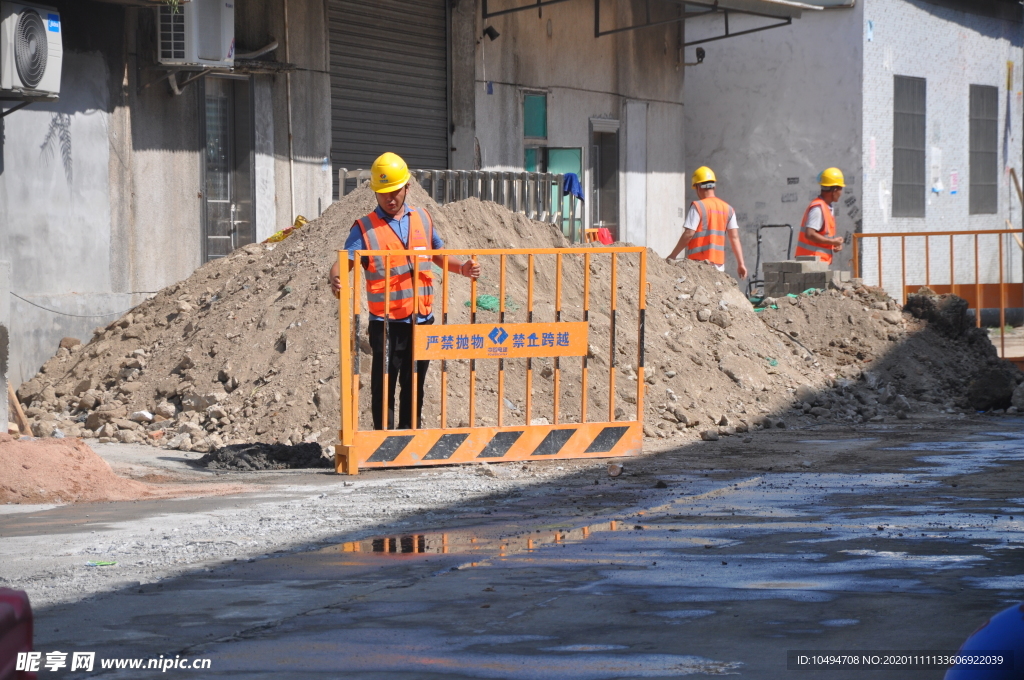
<point x="818" y="229"/>
<point x="708" y="222"/>
<point x="392" y="299"/>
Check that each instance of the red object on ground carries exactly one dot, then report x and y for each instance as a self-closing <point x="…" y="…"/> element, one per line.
<point x="605" y="236"/>
<point x="15" y="632"/>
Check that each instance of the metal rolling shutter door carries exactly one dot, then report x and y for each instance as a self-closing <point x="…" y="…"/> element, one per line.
<point x="389" y="82"/>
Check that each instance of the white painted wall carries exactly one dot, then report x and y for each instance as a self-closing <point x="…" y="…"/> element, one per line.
<point x="768" y="112"/>
<point x="634" y="77"/>
<point x="952" y="50"/>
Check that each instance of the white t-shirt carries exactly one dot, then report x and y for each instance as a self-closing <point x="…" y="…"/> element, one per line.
<point x="815" y="220"/>
<point x="693" y="220"/>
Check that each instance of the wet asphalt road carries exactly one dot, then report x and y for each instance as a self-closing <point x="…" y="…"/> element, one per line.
<point x="712" y="559"/>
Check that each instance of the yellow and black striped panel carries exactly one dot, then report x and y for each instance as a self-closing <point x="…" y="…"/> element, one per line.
<point x="407" y="448"/>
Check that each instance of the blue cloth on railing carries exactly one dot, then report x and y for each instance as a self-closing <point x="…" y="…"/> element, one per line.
<point x="571" y="185"/>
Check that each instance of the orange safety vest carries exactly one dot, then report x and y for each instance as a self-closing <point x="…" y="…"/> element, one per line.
<point x="804" y="246"/>
<point x="378" y="235"/>
<point x="708" y="243"/>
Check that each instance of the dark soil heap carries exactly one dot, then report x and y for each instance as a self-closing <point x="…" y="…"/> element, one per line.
<point x="265" y="457"/>
<point x="246" y="349"/>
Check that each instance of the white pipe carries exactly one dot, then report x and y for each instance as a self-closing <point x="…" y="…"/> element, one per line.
<point x="258" y="53"/>
<point x="288" y="92"/>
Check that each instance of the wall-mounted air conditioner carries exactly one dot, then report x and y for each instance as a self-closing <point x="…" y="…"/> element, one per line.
<point x="30" y="51"/>
<point x="197" y="33"/>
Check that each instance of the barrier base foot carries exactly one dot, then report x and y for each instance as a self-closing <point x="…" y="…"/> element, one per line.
<point x="345" y="462"/>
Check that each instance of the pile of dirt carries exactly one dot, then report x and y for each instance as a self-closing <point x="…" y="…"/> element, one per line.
<point x="246" y="349"/>
<point x="266" y="457"/>
<point x="56" y="470"/>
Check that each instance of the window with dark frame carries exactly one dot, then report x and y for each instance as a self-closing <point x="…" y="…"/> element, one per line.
<point x="984" y="190"/>
<point x="908" y="147"/>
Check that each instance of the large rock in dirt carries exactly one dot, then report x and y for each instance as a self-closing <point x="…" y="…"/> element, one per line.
<point x="992" y="388"/>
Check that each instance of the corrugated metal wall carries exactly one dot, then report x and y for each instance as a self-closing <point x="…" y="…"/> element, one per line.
<point x="389" y="82"/>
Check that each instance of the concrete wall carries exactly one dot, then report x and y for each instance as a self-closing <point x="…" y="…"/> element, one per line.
<point x="105" y="206"/>
<point x="634" y="77"/>
<point x="55" y="212"/>
<point x="952" y="50"/>
<point x="769" y="111"/>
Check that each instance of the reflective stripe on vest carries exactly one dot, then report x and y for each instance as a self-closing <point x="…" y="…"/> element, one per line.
<point x="708" y="243"/>
<point x="804" y="246"/>
<point x="378" y="235"/>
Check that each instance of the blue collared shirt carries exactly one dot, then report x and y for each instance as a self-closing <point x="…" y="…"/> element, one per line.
<point x="400" y="225"/>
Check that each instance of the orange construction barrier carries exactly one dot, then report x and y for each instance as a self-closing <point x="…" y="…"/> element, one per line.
<point x="1001" y="295"/>
<point x="480" y="342"/>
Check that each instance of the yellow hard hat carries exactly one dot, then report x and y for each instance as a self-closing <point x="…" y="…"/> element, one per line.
<point x="388" y="173"/>
<point x="833" y="177"/>
<point x="703" y="175"/>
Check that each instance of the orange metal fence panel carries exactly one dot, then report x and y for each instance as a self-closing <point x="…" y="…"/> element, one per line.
<point x="500" y="341"/>
<point x="999" y="295"/>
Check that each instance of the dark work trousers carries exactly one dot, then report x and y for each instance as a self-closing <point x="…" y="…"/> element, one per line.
<point x="399" y="353"/>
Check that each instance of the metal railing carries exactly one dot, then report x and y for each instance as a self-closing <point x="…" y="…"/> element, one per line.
<point x="993" y="299"/>
<point x="534" y="194"/>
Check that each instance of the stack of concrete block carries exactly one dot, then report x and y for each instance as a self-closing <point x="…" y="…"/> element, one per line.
<point x="796" y="276"/>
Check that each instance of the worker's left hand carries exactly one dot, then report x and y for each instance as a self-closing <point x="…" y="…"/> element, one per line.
<point x="471" y="269"/>
<point x="336" y="285"/>
<point x="742" y="271"/>
<point x="837" y="247"/>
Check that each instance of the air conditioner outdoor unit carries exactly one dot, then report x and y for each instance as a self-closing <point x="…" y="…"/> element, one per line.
<point x="30" y="51"/>
<point x="197" y="33"/>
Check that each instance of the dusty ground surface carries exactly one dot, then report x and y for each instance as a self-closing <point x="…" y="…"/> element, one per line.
<point x="709" y="558"/>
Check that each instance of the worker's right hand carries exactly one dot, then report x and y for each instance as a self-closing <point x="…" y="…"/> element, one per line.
<point x="837" y="247"/>
<point x="336" y="286"/>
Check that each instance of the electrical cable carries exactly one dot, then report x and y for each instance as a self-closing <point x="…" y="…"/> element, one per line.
<point x="83" y="316"/>
<point x="789" y="337"/>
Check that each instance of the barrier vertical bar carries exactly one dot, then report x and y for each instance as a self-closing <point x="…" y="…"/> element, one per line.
<point x="952" y="289"/>
<point x="856" y="255"/>
<point x="357" y="373"/>
<point x="879" y="239"/>
<point x="444" y="321"/>
<point x="529" y="319"/>
<point x="927" y="262"/>
<point x="414" y="262"/>
<point x="977" y="285"/>
<point x="558" y="317"/>
<point x="641" y="327"/>
<point x="384" y="410"/>
<point x="501" y="361"/>
<point x="586" y="319"/>
<point x="903" y="269"/>
<point x="1002" y="303"/>
<point x="611" y="333"/>
<point x="345" y="368"/>
<point x="472" y="362"/>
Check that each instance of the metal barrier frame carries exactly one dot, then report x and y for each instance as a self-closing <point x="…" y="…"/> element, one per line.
<point x="954" y="287"/>
<point x="472" y="444"/>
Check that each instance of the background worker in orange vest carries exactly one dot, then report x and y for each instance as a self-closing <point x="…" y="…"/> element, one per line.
<point x="395" y="225"/>
<point x="707" y="223"/>
<point x="818" y="229"/>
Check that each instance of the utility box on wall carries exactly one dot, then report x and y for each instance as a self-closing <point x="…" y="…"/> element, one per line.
<point x="31" y="51"/>
<point x="197" y="33"/>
